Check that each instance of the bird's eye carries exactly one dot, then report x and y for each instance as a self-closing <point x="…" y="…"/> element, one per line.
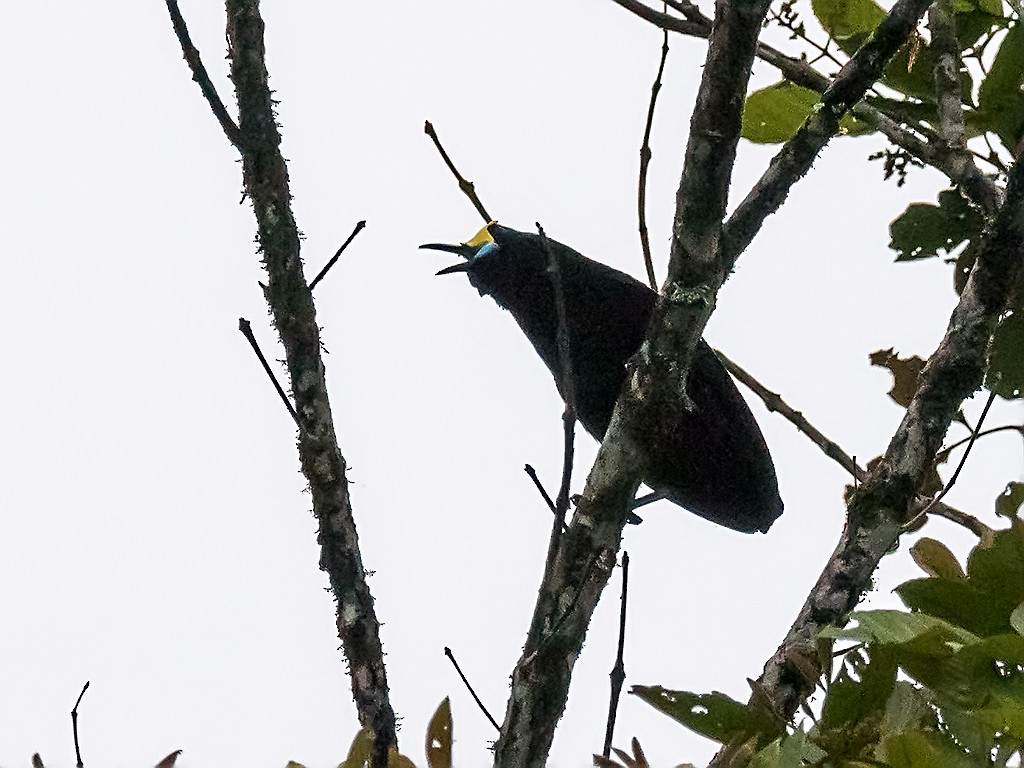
<point x="487" y="249"/>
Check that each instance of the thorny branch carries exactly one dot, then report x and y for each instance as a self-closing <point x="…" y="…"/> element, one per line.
<point x="265" y="178"/>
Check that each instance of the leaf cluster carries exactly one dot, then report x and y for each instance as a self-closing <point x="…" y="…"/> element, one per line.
<point x="939" y="685"/>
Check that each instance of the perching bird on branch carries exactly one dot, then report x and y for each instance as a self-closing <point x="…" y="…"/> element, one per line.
<point x="711" y="459"/>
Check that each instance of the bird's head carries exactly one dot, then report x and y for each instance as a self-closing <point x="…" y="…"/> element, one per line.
<point x="500" y="262"/>
<point x="475" y="250"/>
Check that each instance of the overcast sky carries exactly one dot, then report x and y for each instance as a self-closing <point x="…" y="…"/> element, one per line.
<point x="154" y="533"/>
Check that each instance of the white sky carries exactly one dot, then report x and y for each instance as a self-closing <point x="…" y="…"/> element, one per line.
<point x="154" y="534"/>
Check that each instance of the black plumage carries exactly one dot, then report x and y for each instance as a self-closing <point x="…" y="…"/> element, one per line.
<point x="711" y="459"/>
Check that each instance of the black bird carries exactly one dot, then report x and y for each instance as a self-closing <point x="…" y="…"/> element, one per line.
<point x="713" y="461"/>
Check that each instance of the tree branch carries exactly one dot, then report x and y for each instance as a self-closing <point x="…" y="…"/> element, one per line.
<point x="978" y="187"/>
<point x="586" y="556"/>
<point x="797" y="154"/>
<point x="202" y="77"/>
<point x="942" y="23"/>
<point x="645" y="161"/>
<point x="886" y="500"/>
<point x="265" y="178"/>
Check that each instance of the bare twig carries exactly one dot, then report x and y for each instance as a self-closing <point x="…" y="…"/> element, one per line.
<point x="696" y="24"/>
<point x="74" y="725"/>
<point x="464" y="184"/>
<point x="465" y="682"/>
<point x="618" y="673"/>
<point x="963" y="460"/>
<point x="774" y="403"/>
<point x="337" y="255"/>
<point x="540" y="487"/>
<point x="645" y="161"/>
<point x="543" y="492"/>
<point x="562" y="332"/>
<point x="202" y="77"/>
<point x="246" y="328"/>
<point x="1018" y="428"/>
<point x="569" y="393"/>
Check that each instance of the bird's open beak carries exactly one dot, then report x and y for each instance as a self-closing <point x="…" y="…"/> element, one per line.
<point x="468" y="252"/>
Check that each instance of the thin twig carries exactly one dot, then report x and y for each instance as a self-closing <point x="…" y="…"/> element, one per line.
<point x="464" y="184"/>
<point x="202" y="77"/>
<point x="246" y="328"/>
<point x="562" y="332"/>
<point x="1018" y="428"/>
<point x="569" y="393"/>
<point x="963" y="460"/>
<point x="540" y="487"/>
<point x="645" y="161"/>
<point x="337" y="255"/>
<point x="775" y="404"/>
<point x="74" y="725"/>
<point x="618" y="673"/>
<point x="451" y="658"/>
<point x="543" y="492"/>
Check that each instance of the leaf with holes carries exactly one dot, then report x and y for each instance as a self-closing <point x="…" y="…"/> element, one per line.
<point x="714" y="715"/>
<point x="1008" y="503"/>
<point x="924" y="230"/>
<point x="1005" y="375"/>
<point x="439" y="737"/>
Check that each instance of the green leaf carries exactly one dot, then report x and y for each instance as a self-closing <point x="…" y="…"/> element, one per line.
<point x="924" y="230"/>
<point x="1005" y="375"/>
<point x="959" y="602"/>
<point x="439" y="737"/>
<point x="774" y="114"/>
<point x="1000" y="98"/>
<point x="891" y="627"/>
<point x="906" y="372"/>
<point x="922" y="749"/>
<point x="860" y="690"/>
<point x="789" y="751"/>
<point x="907" y="709"/>
<point x="360" y="750"/>
<point x="714" y="715"/>
<point x="1008" y="503"/>
<point x="996" y="566"/>
<point x="972" y="24"/>
<point x="1017" y="619"/>
<point x="848" y="21"/>
<point x="935" y="559"/>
